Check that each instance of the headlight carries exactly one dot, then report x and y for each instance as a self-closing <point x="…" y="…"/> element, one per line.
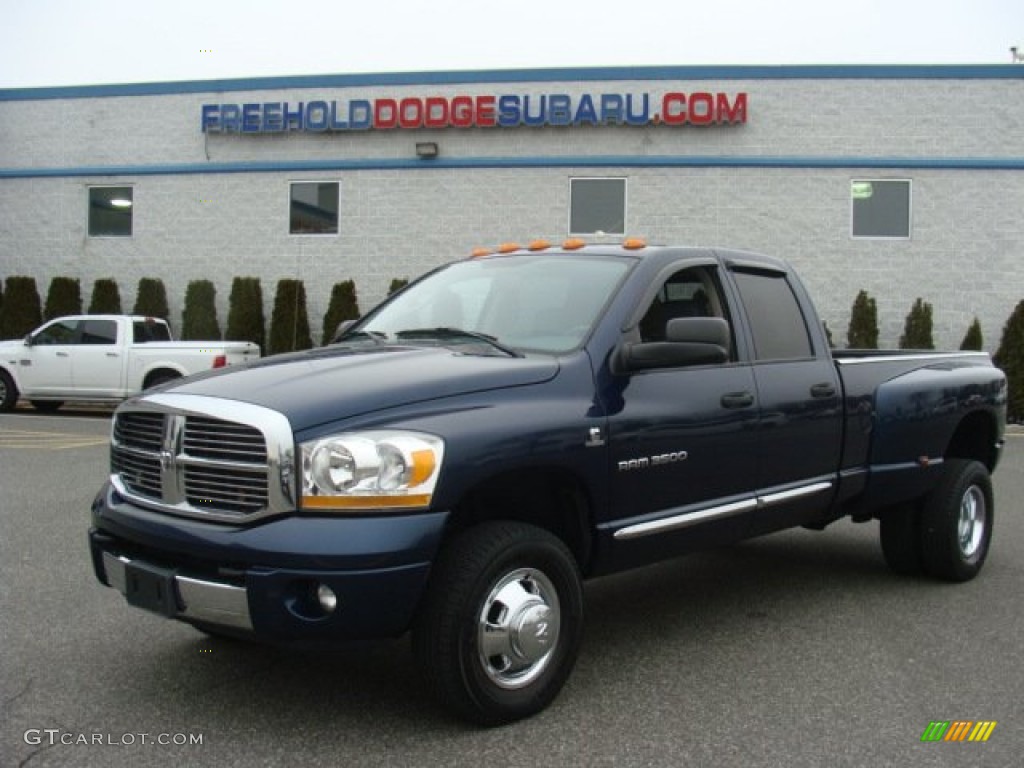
<point x="381" y="469"/>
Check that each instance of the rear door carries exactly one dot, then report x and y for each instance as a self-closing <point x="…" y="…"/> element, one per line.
<point x="798" y="389"/>
<point x="98" y="367"/>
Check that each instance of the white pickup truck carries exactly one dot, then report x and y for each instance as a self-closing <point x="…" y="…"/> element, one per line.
<point x="104" y="358"/>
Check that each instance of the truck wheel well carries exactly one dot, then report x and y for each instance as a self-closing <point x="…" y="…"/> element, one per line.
<point x="553" y="500"/>
<point x="160" y="376"/>
<point x="975" y="438"/>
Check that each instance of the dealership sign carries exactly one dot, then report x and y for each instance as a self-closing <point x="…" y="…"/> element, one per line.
<point x="700" y="108"/>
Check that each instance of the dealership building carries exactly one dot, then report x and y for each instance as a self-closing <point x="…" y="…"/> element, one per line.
<point x="904" y="181"/>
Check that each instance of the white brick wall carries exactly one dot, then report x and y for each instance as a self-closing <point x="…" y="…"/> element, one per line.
<point x="965" y="256"/>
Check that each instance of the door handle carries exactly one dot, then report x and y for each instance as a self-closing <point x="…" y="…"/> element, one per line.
<point x="62" y="354"/>
<point x="112" y="354"/>
<point x="737" y="400"/>
<point x="823" y="390"/>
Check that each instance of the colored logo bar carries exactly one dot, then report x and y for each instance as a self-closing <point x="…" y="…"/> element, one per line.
<point x="958" y="730"/>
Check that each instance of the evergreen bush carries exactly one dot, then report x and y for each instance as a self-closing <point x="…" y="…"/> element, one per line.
<point x="21" y="311"/>
<point x="151" y="299"/>
<point x="343" y="306"/>
<point x="973" y="339"/>
<point x="917" y="329"/>
<point x="1010" y="357"/>
<point x="863" y="329"/>
<point x="397" y="284"/>
<point x="106" y="298"/>
<point x="199" y="318"/>
<point x="64" y="297"/>
<point x="245" y="312"/>
<point x="289" y="321"/>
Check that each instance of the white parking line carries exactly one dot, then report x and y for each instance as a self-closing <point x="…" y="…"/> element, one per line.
<point x="49" y="441"/>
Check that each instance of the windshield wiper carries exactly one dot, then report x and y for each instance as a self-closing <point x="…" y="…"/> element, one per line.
<point x="444" y="334"/>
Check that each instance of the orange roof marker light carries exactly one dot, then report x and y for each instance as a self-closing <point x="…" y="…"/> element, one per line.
<point x="509" y="247"/>
<point x="634" y="243"/>
<point x="539" y="245"/>
<point x="480" y="253"/>
<point x="573" y="244"/>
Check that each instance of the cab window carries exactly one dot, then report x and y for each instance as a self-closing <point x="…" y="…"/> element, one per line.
<point x="690" y="292"/>
<point x="62" y="332"/>
<point x="98" y="332"/>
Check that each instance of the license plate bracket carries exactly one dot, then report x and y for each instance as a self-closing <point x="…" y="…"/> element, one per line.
<point x="151" y="588"/>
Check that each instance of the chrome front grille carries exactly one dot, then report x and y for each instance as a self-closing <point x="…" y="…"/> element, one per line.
<point x="190" y="455"/>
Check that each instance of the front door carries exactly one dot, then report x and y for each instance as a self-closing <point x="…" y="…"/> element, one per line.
<point x="683" y="441"/>
<point x="44" y="367"/>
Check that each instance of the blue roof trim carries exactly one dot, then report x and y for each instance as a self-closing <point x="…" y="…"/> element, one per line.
<point x="577" y="161"/>
<point x="570" y="74"/>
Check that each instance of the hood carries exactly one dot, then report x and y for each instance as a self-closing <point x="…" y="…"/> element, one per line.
<point x="331" y="383"/>
<point x="7" y="346"/>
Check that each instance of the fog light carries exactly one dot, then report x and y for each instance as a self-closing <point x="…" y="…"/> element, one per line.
<point x="327" y="599"/>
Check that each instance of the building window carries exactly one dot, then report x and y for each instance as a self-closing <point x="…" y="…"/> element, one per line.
<point x="110" y="211"/>
<point x="313" y="209"/>
<point x="597" y="206"/>
<point x="880" y="208"/>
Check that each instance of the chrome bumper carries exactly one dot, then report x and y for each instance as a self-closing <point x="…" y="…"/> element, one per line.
<point x="208" y="601"/>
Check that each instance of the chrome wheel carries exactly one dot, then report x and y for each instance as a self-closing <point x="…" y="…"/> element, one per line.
<point x="501" y="624"/>
<point x="956" y="522"/>
<point x="972" y="521"/>
<point x="518" y="628"/>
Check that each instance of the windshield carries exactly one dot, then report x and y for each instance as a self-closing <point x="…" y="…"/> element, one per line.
<point x="544" y="303"/>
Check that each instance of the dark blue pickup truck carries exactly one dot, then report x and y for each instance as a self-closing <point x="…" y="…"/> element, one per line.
<point x="465" y="455"/>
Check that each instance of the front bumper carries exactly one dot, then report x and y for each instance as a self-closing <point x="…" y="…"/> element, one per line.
<point x="264" y="581"/>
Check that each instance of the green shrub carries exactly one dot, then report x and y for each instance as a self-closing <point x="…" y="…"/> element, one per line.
<point x="63" y="298"/>
<point x="1010" y="357"/>
<point x="289" y="321"/>
<point x="917" y="329"/>
<point x="22" y="310"/>
<point x="863" y="330"/>
<point x="397" y="284"/>
<point x="151" y="299"/>
<point x="245" y="312"/>
<point x="343" y="306"/>
<point x="199" y="318"/>
<point x="973" y="339"/>
<point x="106" y="298"/>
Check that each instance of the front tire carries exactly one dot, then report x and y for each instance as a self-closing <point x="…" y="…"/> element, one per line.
<point x="956" y="522"/>
<point x="8" y="392"/>
<point x="501" y="623"/>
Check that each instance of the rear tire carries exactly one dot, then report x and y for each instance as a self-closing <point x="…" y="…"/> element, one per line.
<point x="956" y="522"/>
<point x="46" y="406"/>
<point x="899" y="529"/>
<point x="501" y="623"/>
<point x="8" y="392"/>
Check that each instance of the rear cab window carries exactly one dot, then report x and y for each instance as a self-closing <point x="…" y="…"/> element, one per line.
<point x="778" y="327"/>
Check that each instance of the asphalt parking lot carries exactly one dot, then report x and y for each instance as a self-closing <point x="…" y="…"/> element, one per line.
<point x="798" y="649"/>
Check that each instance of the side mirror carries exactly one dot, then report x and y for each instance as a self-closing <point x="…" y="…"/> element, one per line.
<point x="28" y="339"/>
<point x="342" y="329"/>
<point x="689" y="341"/>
